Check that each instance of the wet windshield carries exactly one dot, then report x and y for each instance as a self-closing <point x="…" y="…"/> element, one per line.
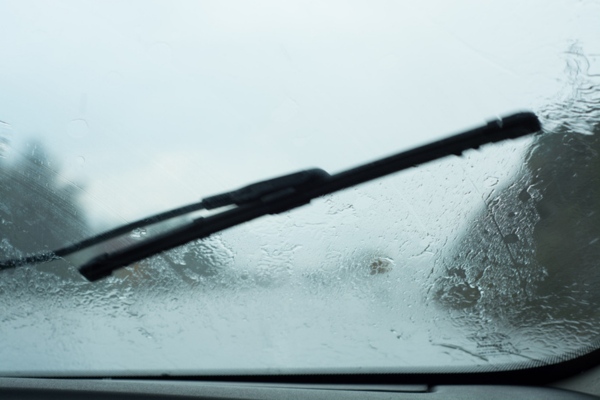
<point x="111" y="112"/>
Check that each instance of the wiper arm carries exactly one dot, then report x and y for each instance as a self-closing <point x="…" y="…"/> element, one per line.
<point x="281" y="194"/>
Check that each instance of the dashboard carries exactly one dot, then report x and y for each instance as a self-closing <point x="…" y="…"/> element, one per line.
<point x="97" y="389"/>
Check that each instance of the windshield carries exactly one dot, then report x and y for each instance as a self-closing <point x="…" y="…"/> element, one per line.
<point x="113" y="111"/>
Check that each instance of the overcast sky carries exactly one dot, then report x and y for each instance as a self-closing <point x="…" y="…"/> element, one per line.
<point x="154" y="104"/>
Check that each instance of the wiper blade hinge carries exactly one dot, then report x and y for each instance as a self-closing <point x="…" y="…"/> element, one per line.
<point x="265" y="190"/>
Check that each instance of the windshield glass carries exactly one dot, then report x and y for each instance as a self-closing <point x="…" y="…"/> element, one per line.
<point x="113" y="111"/>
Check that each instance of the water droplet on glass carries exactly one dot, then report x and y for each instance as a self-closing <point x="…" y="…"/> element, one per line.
<point x="511" y="238"/>
<point x="78" y="128"/>
<point x="524" y="195"/>
<point x="145" y="333"/>
<point x="138" y="233"/>
<point x="381" y="265"/>
<point x="491" y="181"/>
<point x="81" y="161"/>
<point x="577" y="111"/>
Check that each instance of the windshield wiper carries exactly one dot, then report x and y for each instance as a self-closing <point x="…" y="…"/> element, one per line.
<point x="274" y="196"/>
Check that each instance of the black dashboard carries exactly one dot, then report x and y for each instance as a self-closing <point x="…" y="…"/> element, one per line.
<point x="99" y="389"/>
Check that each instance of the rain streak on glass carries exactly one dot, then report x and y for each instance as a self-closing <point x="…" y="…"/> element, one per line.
<point x="6" y="136"/>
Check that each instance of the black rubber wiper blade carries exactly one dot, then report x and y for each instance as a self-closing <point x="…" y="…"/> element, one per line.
<point x="238" y="197"/>
<point x="290" y="191"/>
<point x="276" y="195"/>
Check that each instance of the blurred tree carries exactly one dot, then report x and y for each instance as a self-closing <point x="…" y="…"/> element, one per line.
<point x="38" y="212"/>
<point x="533" y="252"/>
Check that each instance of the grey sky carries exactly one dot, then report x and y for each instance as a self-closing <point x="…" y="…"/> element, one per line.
<point x="194" y="98"/>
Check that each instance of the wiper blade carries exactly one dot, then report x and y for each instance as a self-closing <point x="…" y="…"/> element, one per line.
<point x="236" y="197"/>
<point x="280" y="194"/>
